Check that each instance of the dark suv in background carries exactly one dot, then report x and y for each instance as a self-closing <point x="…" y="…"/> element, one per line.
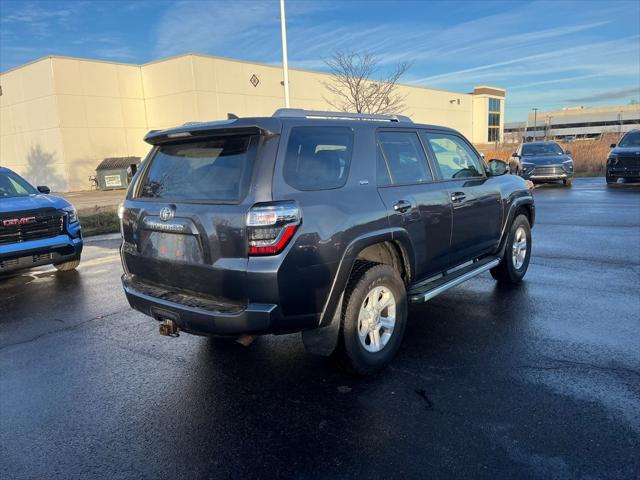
<point x="623" y="160"/>
<point x="323" y="223"/>
<point x="542" y="162"/>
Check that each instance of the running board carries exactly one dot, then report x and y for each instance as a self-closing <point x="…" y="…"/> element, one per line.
<point x="435" y="288"/>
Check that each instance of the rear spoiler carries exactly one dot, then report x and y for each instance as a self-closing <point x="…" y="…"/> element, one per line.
<point x="207" y="129"/>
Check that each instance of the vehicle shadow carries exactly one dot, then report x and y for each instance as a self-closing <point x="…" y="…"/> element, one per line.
<point x="274" y="404"/>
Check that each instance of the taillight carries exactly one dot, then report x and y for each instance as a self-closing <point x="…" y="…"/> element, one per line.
<point x="270" y="226"/>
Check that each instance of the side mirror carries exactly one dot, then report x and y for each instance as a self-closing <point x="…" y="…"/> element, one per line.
<point x="515" y="154"/>
<point x="613" y="145"/>
<point x="497" y="167"/>
<point x="43" y="189"/>
<point x="567" y="152"/>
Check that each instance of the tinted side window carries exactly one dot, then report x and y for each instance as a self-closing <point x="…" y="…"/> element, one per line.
<point x="454" y="157"/>
<point x="405" y="158"/>
<point x="318" y="158"/>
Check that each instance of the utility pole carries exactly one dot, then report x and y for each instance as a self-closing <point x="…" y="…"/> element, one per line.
<point x="535" y="123"/>
<point x="285" y="63"/>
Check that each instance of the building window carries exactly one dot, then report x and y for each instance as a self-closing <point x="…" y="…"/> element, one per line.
<point x="494" y="134"/>
<point x="493" y="121"/>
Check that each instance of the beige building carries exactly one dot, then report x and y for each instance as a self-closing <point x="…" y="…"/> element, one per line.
<point x="575" y="123"/>
<point x="60" y="116"/>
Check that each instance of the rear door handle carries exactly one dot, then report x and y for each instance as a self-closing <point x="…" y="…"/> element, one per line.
<point x="458" y="197"/>
<point x="402" y="206"/>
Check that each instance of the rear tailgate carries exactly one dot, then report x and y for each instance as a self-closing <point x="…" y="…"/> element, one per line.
<point x="184" y="226"/>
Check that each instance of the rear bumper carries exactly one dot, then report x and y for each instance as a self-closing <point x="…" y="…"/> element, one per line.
<point x="255" y="318"/>
<point x="35" y="253"/>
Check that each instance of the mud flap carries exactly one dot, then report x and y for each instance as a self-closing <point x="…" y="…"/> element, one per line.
<point x="323" y="341"/>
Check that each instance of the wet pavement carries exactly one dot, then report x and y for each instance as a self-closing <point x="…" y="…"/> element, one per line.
<point x="537" y="381"/>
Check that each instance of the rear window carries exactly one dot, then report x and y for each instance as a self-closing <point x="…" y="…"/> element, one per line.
<point x="318" y="158"/>
<point x="214" y="170"/>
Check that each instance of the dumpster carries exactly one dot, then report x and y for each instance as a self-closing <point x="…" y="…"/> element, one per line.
<point x="116" y="172"/>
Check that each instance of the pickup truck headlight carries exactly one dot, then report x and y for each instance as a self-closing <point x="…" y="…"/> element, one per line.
<point x="72" y="214"/>
<point x="612" y="160"/>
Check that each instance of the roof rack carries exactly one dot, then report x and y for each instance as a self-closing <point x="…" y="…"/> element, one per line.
<point x="301" y="113"/>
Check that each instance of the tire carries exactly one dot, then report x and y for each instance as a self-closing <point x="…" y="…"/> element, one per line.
<point x="507" y="271"/>
<point x="611" y="180"/>
<point x="67" y="266"/>
<point x="567" y="182"/>
<point x="353" y="353"/>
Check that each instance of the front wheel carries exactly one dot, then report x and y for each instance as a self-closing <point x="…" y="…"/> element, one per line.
<point x="567" y="182"/>
<point x="374" y="318"/>
<point x="515" y="261"/>
<point x="611" y="180"/>
<point x="67" y="266"/>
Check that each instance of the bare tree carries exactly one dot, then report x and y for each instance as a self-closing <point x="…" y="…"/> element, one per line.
<point x="356" y="87"/>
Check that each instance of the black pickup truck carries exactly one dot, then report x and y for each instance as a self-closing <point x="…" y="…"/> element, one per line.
<point x="324" y="223"/>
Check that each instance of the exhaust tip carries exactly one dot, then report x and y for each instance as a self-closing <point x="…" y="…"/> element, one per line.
<point x="246" y="340"/>
<point x="168" y="328"/>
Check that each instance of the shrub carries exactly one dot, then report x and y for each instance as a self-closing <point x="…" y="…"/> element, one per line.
<point x="99" y="220"/>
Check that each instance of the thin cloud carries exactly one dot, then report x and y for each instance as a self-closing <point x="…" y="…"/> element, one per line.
<point x="608" y="95"/>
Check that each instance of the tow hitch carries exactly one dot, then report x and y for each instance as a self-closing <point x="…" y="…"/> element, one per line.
<point x="168" y="328"/>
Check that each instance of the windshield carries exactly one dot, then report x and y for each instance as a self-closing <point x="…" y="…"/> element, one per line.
<point x="215" y="170"/>
<point x="11" y="185"/>
<point x="630" y="140"/>
<point x="534" y="149"/>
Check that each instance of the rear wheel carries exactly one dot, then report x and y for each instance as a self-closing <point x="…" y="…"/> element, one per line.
<point x="611" y="180"/>
<point x="517" y="253"/>
<point x="374" y="318"/>
<point x="67" y="266"/>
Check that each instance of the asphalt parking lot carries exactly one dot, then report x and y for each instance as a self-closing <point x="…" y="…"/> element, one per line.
<point x="538" y="381"/>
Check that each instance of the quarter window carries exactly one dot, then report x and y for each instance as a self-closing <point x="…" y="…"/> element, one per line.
<point x="454" y="157"/>
<point x="318" y="158"/>
<point x="405" y="160"/>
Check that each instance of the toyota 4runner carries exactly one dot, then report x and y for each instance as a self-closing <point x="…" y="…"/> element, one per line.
<point x="324" y="223"/>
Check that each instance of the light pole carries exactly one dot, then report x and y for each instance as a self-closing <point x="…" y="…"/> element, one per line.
<point x="535" y="123"/>
<point x="285" y="63"/>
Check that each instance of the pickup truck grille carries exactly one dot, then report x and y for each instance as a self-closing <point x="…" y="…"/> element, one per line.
<point x="24" y="226"/>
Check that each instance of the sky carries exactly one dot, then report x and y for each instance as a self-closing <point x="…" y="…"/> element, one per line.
<point x="546" y="55"/>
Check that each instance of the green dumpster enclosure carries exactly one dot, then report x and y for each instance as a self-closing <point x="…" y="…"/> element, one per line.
<point x="116" y="172"/>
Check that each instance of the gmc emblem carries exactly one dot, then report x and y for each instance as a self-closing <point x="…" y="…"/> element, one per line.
<point x="18" y="221"/>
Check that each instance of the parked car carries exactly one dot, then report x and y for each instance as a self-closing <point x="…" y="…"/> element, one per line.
<point x="623" y="160"/>
<point x="542" y="162"/>
<point x="36" y="228"/>
<point x="323" y="223"/>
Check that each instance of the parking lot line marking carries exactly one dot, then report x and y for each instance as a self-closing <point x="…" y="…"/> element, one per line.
<point x="99" y="261"/>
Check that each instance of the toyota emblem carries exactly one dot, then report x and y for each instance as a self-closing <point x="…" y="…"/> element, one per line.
<point x="166" y="214"/>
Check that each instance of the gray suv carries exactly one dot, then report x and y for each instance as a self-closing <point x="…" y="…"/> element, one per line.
<point x="542" y="162"/>
<point x="329" y="224"/>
